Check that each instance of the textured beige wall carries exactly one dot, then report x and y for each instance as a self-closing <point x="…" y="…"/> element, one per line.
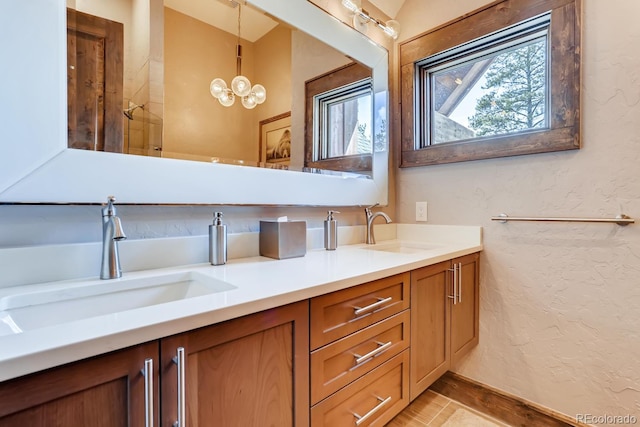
<point x="273" y="71"/>
<point x="559" y="302"/>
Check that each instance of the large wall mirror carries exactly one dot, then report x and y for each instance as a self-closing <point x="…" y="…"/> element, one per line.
<point x="186" y="146"/>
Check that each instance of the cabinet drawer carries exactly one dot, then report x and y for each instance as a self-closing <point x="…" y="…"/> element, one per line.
<point x="336" y="365"/>
<point x="341" y="313"/>
<point x="372" y="400"/>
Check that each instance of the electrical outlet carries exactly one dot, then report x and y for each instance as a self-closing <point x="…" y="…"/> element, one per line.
<point x="421" y="211"/>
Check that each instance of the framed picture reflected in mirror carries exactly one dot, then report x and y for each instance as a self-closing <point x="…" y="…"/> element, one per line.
<point x="275" y="140"/>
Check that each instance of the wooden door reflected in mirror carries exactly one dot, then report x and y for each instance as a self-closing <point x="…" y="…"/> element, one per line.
<point x="94" y="82"/>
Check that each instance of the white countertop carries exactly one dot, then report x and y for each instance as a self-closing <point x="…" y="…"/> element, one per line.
<point x="260" y="283"/>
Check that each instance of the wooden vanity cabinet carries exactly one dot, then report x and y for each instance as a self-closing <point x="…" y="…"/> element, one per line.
<point x="250" y="371"/>
<point x="361" y="353"/>
<point x="104" y="391"/>
<point x="443" y="328"/>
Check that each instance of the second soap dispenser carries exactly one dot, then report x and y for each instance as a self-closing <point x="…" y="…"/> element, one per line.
<point x="217" y="240"/>
<point x="331" y="232"/>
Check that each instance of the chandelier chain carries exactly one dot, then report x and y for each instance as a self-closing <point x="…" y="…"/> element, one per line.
<point x="239" y="11"/>
<point x="238" y="46"/>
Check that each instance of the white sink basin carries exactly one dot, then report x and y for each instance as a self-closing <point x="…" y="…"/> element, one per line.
<point x="61" y="304"/>
<point x="402" y="247"/>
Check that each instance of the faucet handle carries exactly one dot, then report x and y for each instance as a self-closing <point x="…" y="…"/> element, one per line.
<point x="109" y="209"/>
<point x="367" y="210"/>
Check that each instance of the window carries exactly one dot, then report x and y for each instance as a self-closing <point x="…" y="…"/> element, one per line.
<point x="344" y="121"/>
<point x="474" y="90"/>
<point x="339" y="126"/>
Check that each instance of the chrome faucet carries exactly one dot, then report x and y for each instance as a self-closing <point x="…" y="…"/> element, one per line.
<point x="111" y="233"/>
<point x="370" y="238"/>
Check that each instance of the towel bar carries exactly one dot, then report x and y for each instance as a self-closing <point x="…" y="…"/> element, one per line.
<point x="621" y="219"/>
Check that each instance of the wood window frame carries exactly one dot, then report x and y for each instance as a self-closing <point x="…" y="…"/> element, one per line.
<point x="563" y="132"/>
<point x="339" y="77"/>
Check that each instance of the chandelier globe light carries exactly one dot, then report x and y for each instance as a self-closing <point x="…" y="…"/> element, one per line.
<point x="250" y="96"/>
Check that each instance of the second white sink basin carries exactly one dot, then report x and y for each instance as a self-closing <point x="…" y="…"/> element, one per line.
<point x="35" y="309"/>
<point x="402" y="247"/>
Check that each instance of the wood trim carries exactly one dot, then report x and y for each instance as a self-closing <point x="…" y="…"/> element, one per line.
<point x="333" y="79"/>
<point x="355" y="163"/>
<point x="492" y="17"/>
<point x="565" y="39"/>
<point x="499" y="404"/>
<point x="490" y="148"/>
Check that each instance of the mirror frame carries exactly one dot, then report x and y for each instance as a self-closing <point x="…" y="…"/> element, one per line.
<point x="37" y="167"/>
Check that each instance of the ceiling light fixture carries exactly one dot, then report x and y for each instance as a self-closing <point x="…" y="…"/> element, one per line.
<point x="240" y="85"/>
<point x="361" y="18"/>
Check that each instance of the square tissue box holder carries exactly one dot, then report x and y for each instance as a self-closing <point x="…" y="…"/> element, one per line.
<point x="283" y="239"/>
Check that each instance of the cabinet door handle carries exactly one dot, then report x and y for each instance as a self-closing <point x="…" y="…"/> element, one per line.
<point x="361" y="419"/>
<point x="460" y="282"/>
<point x="382" y="347"/>
<point x="147" y="372"/>
<point x="381" y="301"/>
<point x="182" y="415"/>
<point x="454" y="282"/>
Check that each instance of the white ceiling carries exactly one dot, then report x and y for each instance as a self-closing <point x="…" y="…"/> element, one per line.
<point x="389" y="7"/>
<point x="220" y="14"/>
<point x="254" y="24"/>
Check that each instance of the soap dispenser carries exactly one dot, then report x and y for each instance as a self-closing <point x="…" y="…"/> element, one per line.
<point x="217" y="240"/>
<point x="331" y="232"/>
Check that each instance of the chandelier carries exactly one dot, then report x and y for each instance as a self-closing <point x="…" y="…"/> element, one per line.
<point x="240" y="85"/>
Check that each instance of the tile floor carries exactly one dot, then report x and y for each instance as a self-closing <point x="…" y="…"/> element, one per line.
<point x="435" y="410"/>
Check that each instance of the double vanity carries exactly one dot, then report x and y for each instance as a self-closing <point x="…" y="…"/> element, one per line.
<point x="344" y="337"/>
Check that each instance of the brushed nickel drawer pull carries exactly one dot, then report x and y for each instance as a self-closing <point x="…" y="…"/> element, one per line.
<point x="361" y="419"/>
<point x="381" y="302"/>
<point x="147" y="372"/>
<point x="460" y="282"/>
<point x="179" y="360"/>
<point x="454" y="297"/>
<point x="372" y="353"/>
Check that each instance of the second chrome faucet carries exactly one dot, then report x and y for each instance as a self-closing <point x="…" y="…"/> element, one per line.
<point x="369" y="237"/>
<point x="111" y="233"/>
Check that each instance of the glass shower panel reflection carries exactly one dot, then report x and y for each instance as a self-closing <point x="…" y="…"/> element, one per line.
<point x="142" y="131"/>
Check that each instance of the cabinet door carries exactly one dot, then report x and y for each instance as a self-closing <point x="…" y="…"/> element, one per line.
<point x="251" y="371"/>
<point x="430" y="330"/>
<point x="465" y="312"/>
<point x="104" y="391"/>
